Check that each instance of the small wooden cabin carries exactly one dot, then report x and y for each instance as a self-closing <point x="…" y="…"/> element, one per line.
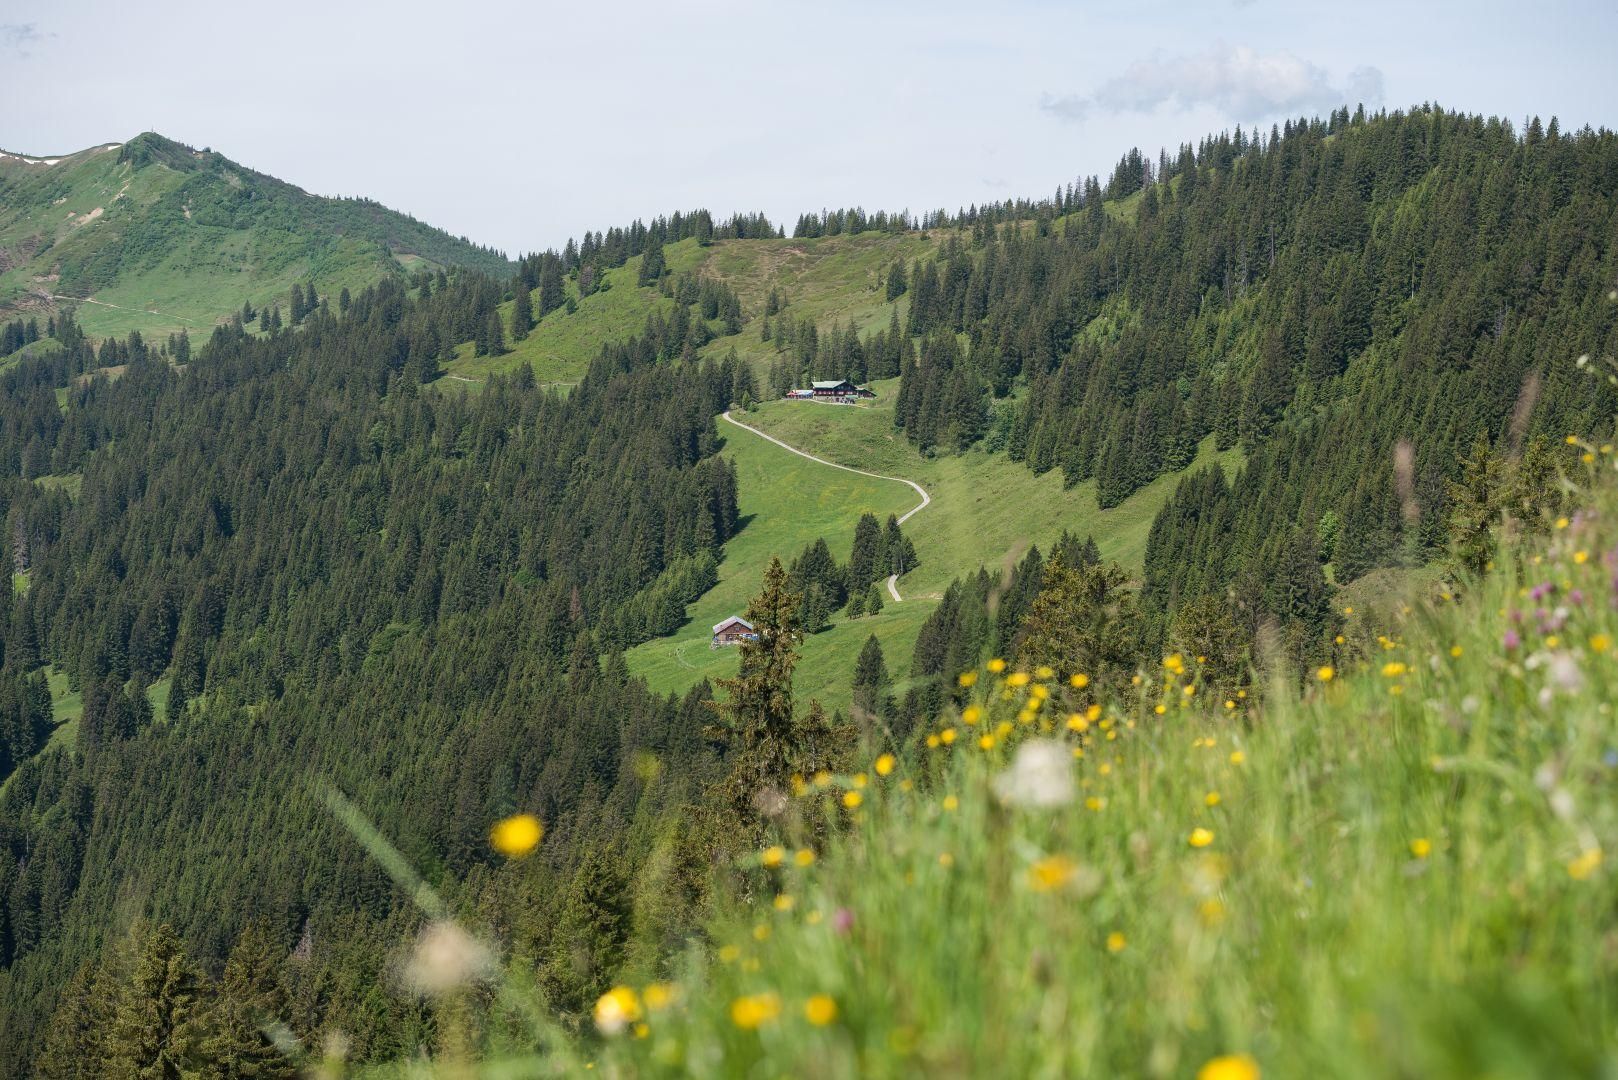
<point x="733" y="631"/>
<point x="839" y="390"/>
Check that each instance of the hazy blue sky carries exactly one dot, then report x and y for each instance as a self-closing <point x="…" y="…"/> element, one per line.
<point x="521" y="124"/>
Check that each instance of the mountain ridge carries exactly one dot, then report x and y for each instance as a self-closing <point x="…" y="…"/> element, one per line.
<point x="166" y="236"/>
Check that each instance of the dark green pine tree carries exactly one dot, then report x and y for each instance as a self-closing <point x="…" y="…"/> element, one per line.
<point x="157" y="1024"/>
<point x="873" y="599"/>
<point x="592" y="930"/>
<point x="1475" y="502"/>
<point x="251" y="1000"/>
<point x="552" y="295"/>
<point x="767" y="741"/>
<point x="75" y="1046"/>
<point x="864" y="560"/>
<point x="494" y="338"/>
<point x="870" y="679"/>
<point x="522" y="312"/>
<point x="896" y="280"/>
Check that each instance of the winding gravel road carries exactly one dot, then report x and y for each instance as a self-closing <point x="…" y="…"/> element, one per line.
<point x="893" y="579"/>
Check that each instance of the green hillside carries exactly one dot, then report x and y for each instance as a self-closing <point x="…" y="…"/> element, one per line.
<point x="828" y="279"/>
<point x="985" y="511"/>
<point x="154" y="236"/>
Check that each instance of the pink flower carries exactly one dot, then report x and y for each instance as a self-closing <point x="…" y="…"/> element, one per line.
<point x="842" y="920"/>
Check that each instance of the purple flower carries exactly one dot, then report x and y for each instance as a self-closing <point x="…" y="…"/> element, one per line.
<point x="842" y="920"/>
<point x="1512" y="640"/>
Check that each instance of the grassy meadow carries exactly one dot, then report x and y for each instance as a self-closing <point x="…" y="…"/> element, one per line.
<point x="1391" y="870"/>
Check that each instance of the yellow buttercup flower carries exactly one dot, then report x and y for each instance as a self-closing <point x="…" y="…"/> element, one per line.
<point x="517" y="835"/>
<point x="852" y="799"/>
<point x="997" y="665"/>
<point x="971" y="715"/>
<point x="1455" y="651"/>
<point x="1326" y="673"/>
<point x="1600" y="642"/>
<point x="784" y="902"/>
<point x="659" y="996"/>
<point x="967" y="679"/>
<point x="804" y="857"/>
<point x="1585" y="865"/>
<point x="947" y="736"/>
<point x="884" y="764"/>
<point x="753" y="1011"/>
<point x="1017" y="678"/>
<point x="1052" y="872"/>
<point x="820" y="1010"/>
<point x="1230" y="1067"/>
<point x="617" y="1009"/>
<point x="1044" y="671"/>
<point x="986" y="741"/>
<point x="1175" y="663"/>
<point x="1211" y="799"/>
<point x="1116" y="942"/>
<point x="1393" y="669"/>
<point x="1079" y="681"/>
<point x="1581" y="557"/>
<point x="951" y="802"/>
<point x="1421" y="847"/>
<point x="1201" y="837"/>
<point x="773" y="855"/>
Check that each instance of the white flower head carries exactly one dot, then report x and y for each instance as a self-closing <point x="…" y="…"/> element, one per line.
<point x="1040" y="776"/>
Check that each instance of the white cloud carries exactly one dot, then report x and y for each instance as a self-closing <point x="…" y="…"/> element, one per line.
<point x="16" y="38"/>
<point x="1072" y="108"/>
<point x="1237" y="80"/>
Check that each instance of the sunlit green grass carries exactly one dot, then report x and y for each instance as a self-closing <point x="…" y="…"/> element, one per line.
<point x="786" y="502"/>
<point x="1401" y="874"/>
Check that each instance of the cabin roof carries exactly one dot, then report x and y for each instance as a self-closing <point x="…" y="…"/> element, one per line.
<point x="830" y="384"/>
<point x="734" y="620"/>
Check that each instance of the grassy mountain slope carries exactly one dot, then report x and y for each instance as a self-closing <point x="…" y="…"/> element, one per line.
<point x="1400" y="871"/>
<point x="828" y="279"/>
<point x="986" y="511"/>
<point x="154" y="236"/>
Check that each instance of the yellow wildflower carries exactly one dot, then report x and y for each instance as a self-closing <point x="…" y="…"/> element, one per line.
<point x="1229" y="704"/>
<point x="946" y="860"/>
<point x="1052" y="872"/>
<point x="517" y="835"/>
<point x="1017" y="678"/>
<point x="1044" y="671"/>
<point x="1326" y="673"/>
<point x="947" y="736"/>
<point x="1600" y="642"/>
<point x="1201" y="837"/>
<point x="1211" y="799"/>
<point x="1586" y="864"/>
<point x="617" y="1009"/>
<point x="1561" y="523"/>
<point x="820" y="1010"/>
<point x="659" y="996"/>
<point x="852" y="799"/>
<point x="1455" y="651"/>
<point x="986" y="741"/>
<point x="773" y="855"/>
<point x="951" y="802"/>
<point x="1077" y="722"/>
<point x="1581" y="557"/>
<point x="1229" y="1067"/>
<point x="968" y="679"/>
<point x="753" y="1011"/>
<point x="804" y="857"/>
<point x="1393" y="669"/>
<point x="884" y="765"/>
<point x="932" y="741"/>
<point x="1175" y="663"/>
<point x="729" y="954"/>
<point x="1079" y="681"/>
<point x="784" y="901"/>
<point x="1421" y="847"/>
<point x="997" y="665"/>
<point x="971" y="715"/>
<point x="1116" y="942"/>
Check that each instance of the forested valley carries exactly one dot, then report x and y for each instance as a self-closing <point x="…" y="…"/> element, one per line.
<point x="292" y="559"/>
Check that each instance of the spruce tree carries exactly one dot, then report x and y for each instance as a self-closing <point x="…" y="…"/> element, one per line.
<point x="157" y="1024"/>
<point x="767" y="742"/>
<point x="522" y="312"/>
<point x="250" y="1000"/>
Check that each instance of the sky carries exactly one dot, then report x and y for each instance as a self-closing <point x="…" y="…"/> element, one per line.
<point x="520" y="125"/>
